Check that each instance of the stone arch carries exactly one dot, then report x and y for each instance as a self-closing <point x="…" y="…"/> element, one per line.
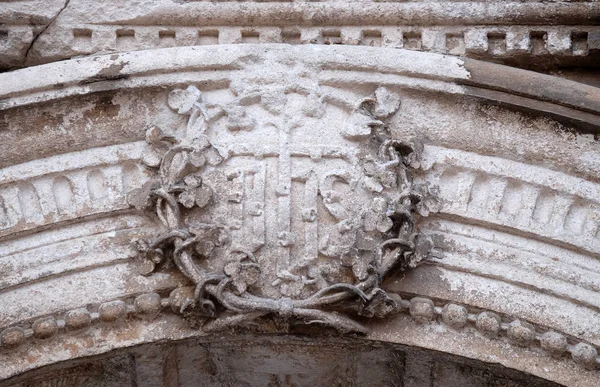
<point x="513" y="274"/>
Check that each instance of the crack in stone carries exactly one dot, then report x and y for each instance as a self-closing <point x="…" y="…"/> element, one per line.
<point x="35" y="38"/>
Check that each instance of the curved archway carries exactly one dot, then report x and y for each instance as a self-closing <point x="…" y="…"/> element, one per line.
<point x="281" y="360"/>
<point x="511" y="276"/>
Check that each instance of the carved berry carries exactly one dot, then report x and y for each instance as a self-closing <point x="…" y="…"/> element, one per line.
<point x="555" y="343"/>
<point x="421" y="309"/>
<point x="488" y="324"/>
<point x="12" y="337"/>
<point x="148" y="303"/>
<point x="112" y="311"/>
<point x="585" y="355"/>
<point x="521" y="333"/>
<point x="78" y="318"/>
<point x="44" y="327"/>
<point x="183" y="101"/>
<point x="455" y="315"/>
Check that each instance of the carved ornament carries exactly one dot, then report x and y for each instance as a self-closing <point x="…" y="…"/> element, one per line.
<point x="283" y="200"/>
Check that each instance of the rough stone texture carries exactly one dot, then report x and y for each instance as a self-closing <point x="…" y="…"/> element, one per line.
<point x="530" y="34"/>
<point x="78" y="318"/>
<point x="112" y="371"/>
<point x="455" y="316"/>
<point x="21" y="23"/>
<point x="525" y="175"/>
<point x="275" y="362"/>
<point x="270" y="190"/>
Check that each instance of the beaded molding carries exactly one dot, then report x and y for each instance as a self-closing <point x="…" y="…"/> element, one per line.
<point x="422" y="310"/>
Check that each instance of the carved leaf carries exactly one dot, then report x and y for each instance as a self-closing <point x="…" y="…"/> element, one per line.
<point x="154" y="135"/>
<point x="187" y="198"/>
<point x="217" y="236"/>
<point x="147" y="257"/>
<point x="193" y="180"/>
<point x="243" y="274"/>
<point x="291" y="289"/>
<point x="388" y="178"/>
<point x="178" y="167"/>
<point x="204" y="248"/>
<point x="360" y="125"/>
<point x="197" y="159"/>
<point x="141" y="198"/>
<point x="372" y="184"/>
<point x="183" y="100"/>
<point x="197" y="124"/>
<point x="423" y="246"/>
<point x="196" y="196"/>
<point x="387" y="103"/>
<point x="152" y="157"/>
<point x="203" y="196"/>
<point x="428" y="201"/>
<point x="200" y="142"/>
<point x="361" y="267"/>
<point x="422" y="209"/>
<point x="376" y="218"/>
<point x="213" y="157"/>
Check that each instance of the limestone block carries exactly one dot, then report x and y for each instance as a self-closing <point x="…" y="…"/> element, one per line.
<point x="173" y="193"/>
<point x="559" y="42"/>
<point x="517" y="41"/>
<point x="476" y="41"/>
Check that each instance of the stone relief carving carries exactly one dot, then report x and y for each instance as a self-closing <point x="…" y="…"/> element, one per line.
<point x="269" y="208"/>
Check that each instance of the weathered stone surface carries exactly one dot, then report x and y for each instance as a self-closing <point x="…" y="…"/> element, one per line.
<point x="216" y="200"/>
<point x="277" y="189"/>
<point x="66" y="29"/>
<point x="78" y="318"/>
<point x="455" y="316"/>
<point x="555" y="343"/>
<point x="112" y="311"/>
<point x="21" y="23"/>
<point x="421" y="309"/>
<point x="44" y="328"/>
<point x="274" y="361"/>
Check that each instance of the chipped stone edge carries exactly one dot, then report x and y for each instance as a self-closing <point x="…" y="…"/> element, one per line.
<point x="563" y="99"/>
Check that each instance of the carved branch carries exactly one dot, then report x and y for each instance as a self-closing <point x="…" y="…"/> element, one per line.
<point x="181" y="188"/>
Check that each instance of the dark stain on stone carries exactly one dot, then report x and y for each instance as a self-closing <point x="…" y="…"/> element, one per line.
<point x="40" y="131"/>
<point x="103" y="108"/>
<point x="38" y="20"/>
<point x="110" y="73"/>
<point x="425" y="279"/>
<point x="441" y="242"/>
<point x="47" y="119"/>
